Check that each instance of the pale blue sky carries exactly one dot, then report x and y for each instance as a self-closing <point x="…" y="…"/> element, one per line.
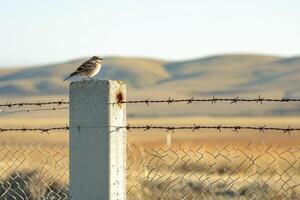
<point x="35" y="31"/>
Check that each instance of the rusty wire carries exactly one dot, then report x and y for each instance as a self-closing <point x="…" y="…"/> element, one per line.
<point x="38" y="103"/>
<point x="147" y="127"/>
<point x="212" y="100"/>
<point x="170" y="100"/>
<point x="41" y="130"/>
<point x="195" y="127"/>
<point x="32" y="110"/>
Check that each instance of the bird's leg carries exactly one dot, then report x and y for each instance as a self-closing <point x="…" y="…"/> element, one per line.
<point x="91" y="79"/>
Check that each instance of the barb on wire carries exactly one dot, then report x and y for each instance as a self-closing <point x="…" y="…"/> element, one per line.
<point x="195" y="127"/>
<point x="41" y="130"/>
<point x="213" y="100"/>
<point x="170" y="100"/>
<point x="32" y="110"/>
<point x="147" y="127"/>
<point x="39" y="104"/>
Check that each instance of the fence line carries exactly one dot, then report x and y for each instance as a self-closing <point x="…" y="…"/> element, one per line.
<point x="212" y="100"/>
<point x="250" y="172"/>
<point x="42" y="130"/>
<point x="34" y="171"/>
<point x="33" y="110"/>
<point x="186" y="172"/>
<point x="39" y="104"/>
<point x="168" y="101"/>
<point x="261" y="129"/>
<point x="147" y="127"/>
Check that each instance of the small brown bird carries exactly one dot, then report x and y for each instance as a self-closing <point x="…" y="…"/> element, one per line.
<point x="89" y="68"/>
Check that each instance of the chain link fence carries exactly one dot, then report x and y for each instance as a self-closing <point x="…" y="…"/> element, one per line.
<point x="183" y="171"/>
<point x="33" y="172"/>
<point x="253" y="171"/>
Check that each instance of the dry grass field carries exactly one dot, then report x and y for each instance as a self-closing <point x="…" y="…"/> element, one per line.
<point x="199" y="165"/>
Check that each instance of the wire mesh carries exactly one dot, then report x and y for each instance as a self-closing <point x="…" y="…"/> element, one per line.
<point x="183" y="171"/>
<point x="253" y="171"/>
<point x="33" y="171"/>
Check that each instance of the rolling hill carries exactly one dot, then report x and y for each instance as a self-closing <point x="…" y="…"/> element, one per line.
<point x="222" y="76"/>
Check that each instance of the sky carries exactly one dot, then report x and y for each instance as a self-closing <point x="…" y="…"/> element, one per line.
<point x="38" y="32"/>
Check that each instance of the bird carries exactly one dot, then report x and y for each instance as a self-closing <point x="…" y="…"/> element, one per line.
<point x="89" y="68"/>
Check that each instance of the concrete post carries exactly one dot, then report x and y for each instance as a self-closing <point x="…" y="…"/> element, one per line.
<point x="97" y="149"/>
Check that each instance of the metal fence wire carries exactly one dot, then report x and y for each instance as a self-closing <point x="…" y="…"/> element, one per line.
<point x="170" y="100"/>
<point x="186" y="170"/>
<point x="253" y="171"/>
<point x="183" y="171"/>
<point x="33" y="172"/>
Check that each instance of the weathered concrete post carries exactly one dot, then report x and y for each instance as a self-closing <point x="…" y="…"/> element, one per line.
<point x="97" y="148"/>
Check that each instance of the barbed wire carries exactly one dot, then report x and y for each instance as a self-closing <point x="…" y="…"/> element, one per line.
<point x="170" y="100"/>
<point x="219" y="128"/>
<point x="39" y="104"/>
<point x="33" y="110"/>
<point x="42" y="130"/>
<point x="212" y="100"/>
<point x="147" y="127"/>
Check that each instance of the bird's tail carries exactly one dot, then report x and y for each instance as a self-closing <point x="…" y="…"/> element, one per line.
<point x="67" y="77"/>
<point x="71" y="75"/>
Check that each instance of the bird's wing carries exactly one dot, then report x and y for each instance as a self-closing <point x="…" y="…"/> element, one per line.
<point x="87" y="65"/>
